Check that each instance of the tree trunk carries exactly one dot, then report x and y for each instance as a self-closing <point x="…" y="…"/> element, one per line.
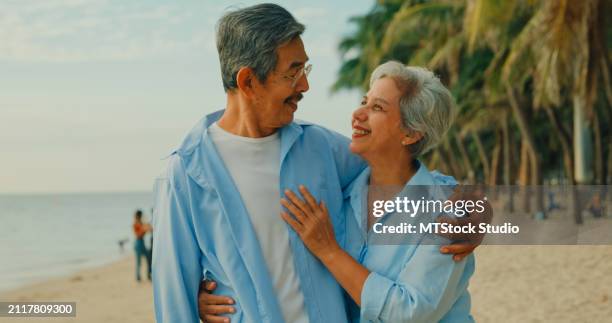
<point x="524" y="177"/>
<point x="521" y="121"/>
<point x="565" y="140"/>
<point x="607" y="84"/>
<point x="577" y="204"/>
<point x="526" y="134"/>
<point x="607" y="171"/>
<point x="486" y="168"/>
<point x="507" y="162"/>
<point x="495" y="164"/>
<point x="582" y="153"/>
<point x="609" y="177"/>
<point x="453" y="163"/>
<point x="599" y="163"/>
<point x="582" y="142"/>
<point x="466" y="159"/>
<point x="506" y="154"/>
<point x="597" y="35"/>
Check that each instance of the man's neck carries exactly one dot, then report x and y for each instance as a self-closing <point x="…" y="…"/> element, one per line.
<point x="240" y="120"/>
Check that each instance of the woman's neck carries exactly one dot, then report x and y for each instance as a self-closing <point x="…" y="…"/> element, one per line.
<point x="392" y="171"/>
<point x="388" y="176"/>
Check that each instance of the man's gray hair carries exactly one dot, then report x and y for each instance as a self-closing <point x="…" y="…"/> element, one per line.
<point x="426" y="105"/>
<point x="249" y="37"/>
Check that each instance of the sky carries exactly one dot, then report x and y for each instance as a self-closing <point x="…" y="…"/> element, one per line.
<point x="95" y="93"/>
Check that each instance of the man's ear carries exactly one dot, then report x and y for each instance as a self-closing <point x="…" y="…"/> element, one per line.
<point x="244" y="79"/>
<point x="411" y="138"/>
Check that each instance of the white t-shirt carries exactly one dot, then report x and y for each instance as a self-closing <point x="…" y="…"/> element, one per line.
<point x="254" y="165"/>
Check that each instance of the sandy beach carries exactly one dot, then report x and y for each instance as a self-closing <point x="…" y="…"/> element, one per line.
<point x="542" y="284"/>
<point x="105" y="294"/>
<point x="511" y="284"/>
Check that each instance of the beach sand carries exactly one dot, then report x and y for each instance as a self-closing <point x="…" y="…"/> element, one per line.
<point x="105" y="294"/>
<point x="542" y="284"/>
<point x="511" y="284"/>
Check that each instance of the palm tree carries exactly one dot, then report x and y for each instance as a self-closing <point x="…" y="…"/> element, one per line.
<point x="564" y="46"/>
<point x="360" y="50"/>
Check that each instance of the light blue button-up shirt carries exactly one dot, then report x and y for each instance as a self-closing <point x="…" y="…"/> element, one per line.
<point x="411" y="281"/>
<point x="202" y="230"/>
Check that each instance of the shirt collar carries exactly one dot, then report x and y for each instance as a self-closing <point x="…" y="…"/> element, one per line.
<point x="192" y="148"/>
<point x="358" y="190"/>
<point x="421" y="176"/>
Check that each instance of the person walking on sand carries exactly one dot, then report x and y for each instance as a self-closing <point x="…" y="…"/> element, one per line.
<point x="140" y="229"/>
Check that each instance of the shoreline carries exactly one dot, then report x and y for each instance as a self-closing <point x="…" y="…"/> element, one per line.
<point x="63" y="271"/>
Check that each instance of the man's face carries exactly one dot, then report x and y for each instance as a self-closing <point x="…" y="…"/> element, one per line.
<point x="276" y="100"/>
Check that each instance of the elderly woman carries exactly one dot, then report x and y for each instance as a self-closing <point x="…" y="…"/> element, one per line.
<point x="405" y="113"/>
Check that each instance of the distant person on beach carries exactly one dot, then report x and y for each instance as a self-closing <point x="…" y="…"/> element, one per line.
<point x="595" y="206"/>
<point x="552" y="203"/>
<point x="140" y="229"/>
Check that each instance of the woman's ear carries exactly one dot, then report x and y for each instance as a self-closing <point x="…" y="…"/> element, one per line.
<point x="411" y="138"/>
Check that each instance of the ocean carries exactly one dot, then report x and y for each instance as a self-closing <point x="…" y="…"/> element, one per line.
<point x="45" y="236"/>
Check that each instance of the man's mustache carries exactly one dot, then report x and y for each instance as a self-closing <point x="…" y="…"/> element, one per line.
<point x="298" y="97"/>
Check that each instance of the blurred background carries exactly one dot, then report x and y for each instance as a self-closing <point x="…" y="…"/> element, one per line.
<point x="95" y="93"/>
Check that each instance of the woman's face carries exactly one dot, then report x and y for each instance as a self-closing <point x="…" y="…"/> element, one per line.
<point x="377" y="125"/>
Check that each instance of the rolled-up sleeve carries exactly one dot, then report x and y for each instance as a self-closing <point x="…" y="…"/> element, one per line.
<point x="177" y="270"/>
<point x="426" y="288"/>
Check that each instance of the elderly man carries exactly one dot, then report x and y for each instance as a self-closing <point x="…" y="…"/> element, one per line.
<point x="217" y="205"/>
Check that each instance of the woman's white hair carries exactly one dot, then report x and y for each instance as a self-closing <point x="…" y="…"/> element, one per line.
<point x="426" y="105"/>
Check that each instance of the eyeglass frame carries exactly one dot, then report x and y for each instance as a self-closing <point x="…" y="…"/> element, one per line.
<point x="304" y="71"/>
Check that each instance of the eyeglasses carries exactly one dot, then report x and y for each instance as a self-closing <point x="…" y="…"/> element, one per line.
<point x="304" y="71"/>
